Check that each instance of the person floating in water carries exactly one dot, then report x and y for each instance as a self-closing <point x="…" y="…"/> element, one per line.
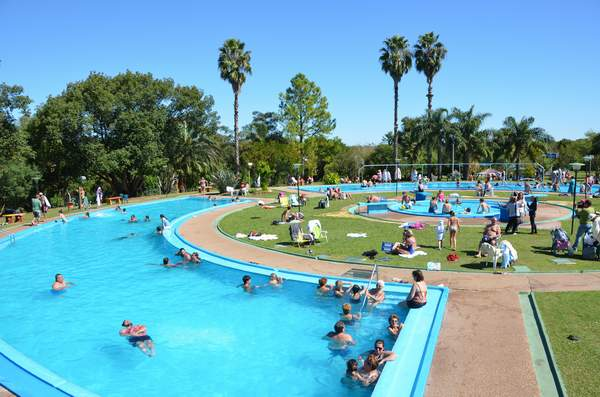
<point x="138" y="337"/>
<point x="60" y="283"/>
<point x="133" y="219"/>
<point x="185" y="255"/>
<point x="339" y="339"/>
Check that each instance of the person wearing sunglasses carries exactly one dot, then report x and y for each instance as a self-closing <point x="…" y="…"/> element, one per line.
<point x="137" y="336"/>
<point x="381" y="355"/>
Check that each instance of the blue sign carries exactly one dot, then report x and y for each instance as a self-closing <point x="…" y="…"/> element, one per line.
<point x="552" y="155"/>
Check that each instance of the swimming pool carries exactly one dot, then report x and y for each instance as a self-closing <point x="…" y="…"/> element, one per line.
<point x="421" y="208"/>
<point x="211" y="339"/>
<point x="412" y="186"/>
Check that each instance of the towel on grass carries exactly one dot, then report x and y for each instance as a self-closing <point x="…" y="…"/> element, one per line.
<point x="356" y="235"/>
<point x="240" y="235"/>
<point x="264" y="237"/>
<point x="410" y="256"/>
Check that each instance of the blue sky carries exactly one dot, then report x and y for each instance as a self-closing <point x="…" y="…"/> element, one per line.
<point x="533" y="58"/>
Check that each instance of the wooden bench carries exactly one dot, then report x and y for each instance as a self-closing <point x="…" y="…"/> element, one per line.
<point x="13" y="218"/>
<point x="116" y="199"/>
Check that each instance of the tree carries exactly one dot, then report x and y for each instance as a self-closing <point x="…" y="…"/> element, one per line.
<point x="264" y="126"/>
<point x="396" y="60"/>
<point x="470" y="139"/>
<point x="303" y="112"/>
<point x="522" y="140"/>
<point x="16" y="171"/>
<point x="234" y="65"/>
<point x="429" y="54"/>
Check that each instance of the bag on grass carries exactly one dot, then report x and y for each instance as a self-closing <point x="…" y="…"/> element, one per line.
<point x="589" y="252"/>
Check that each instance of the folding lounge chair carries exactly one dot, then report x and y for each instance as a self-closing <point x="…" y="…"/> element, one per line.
<point x="297" y="236"/>
<point x="315" y="228"/>
<point x="284" y="201"/>
<point x="294" y="201"/>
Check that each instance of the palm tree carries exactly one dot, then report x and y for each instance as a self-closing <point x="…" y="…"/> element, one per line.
<point x="470" y="139"/>
<point x="197" y="154"/>
<point x="396" y="60"/>
<point x="435" y="129"/>
<point x="234" y="64"/>
<point x="429" y="54"/>
<point x="522" y="140"/>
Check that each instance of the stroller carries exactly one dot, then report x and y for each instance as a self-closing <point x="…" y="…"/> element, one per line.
<point x="560" y="240"/>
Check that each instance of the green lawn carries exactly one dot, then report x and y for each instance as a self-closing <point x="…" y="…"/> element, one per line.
<point x="574" y="313"/>
<point x="534" y="250"/>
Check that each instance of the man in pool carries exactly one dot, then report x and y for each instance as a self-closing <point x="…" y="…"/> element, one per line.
<point x="339" y="339"/>
<point x="247" y="284"/>
<point x="137" y="336"/>
<point x="376" y="295"/>
<point x="380" y="353"/>
<point x="60" y="283"/>
<point x="167" y="263"/>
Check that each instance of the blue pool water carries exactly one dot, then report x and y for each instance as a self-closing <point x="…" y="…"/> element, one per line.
<point x="411" y="186"/>
<point x="211" y="338"/>
<point x="421" y="208"/>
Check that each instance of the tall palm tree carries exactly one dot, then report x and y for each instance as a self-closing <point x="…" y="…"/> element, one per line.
<point x="234" y="65"/>
<point x="436" y="129"/>
<point x="470" y="139"/>
<point x="396" y="60"/>
<point x="429" y="54"/>
<point x="522" y="140"/>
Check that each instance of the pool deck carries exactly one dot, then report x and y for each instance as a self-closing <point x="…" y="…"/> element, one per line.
<point x="482" y="348"/>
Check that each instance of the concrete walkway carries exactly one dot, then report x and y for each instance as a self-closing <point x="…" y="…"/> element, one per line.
<point x="482" y="348"/>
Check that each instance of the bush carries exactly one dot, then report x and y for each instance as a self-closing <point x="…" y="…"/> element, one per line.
<point x="223" y="178"/>
<point x="331" y="178"/>
<point x="264" y="186"/>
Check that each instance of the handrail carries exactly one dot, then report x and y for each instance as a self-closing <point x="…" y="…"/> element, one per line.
<point x="375" y="270"/>
<point x="11" y="236"/>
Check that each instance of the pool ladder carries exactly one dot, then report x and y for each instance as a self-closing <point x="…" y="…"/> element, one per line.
<point x="11" y="237"/>
<point x="374" y="273"/>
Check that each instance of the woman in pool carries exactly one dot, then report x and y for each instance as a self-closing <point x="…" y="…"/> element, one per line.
<point x="195" y="257"/>
<point x="376" y="295"/>
<point x="447" y="207"/>
<point x="453" y="228"/>
<point x="369" y="371"/>
<point x="483" y="207"/>
<point x="407" y="247"/>
<point x="338" y="290"/>
<point x="323" y="288"/>
<point x="417" y="296"/>
<point x="137" y="336"/>
<point x="247" y="284"/>
<point x="355" y="293"/>
<point x="133" y="219"/>
<point x="395" y="326"/>
<point x="184" y="254"/>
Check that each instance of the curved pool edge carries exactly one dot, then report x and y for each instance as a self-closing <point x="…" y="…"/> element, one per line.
<point x="400" y="377"/>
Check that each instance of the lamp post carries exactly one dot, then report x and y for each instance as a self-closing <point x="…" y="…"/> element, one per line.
<point x="297" y="168"/>
<point x="576" y="167"/>
<point x="589" y="159"/>
<point x="250" y="164"/>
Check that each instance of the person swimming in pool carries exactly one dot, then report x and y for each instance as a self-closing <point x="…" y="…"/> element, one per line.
<point x="338" y="338"/>
<point x="185" y="255"/>
<point x="167" y="263"/>
<point x="339" y="290"/>
<point x="275" y="280"/>
<point x="247" y="284"/>
<point x="195" y="258"/>
<point x="376" y="295"/>
<point x="138" y="337"/>
<point x="355" y="293"/>
<point x="60" y="283"/>
<point x="323" y="288"/>
<point x="86" y="215"/>
<point x="146" y="218"/>
<point x="133" y="219"/>
<point x="347" y="316"/>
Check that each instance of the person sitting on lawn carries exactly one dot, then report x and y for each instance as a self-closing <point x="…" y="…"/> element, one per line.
<point x="287" y="215"/>
<point x="408" y="246"/>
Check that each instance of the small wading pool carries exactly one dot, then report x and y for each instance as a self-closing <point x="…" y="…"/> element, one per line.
<point x="412" y="186"/>
<point x="211" y="338"/>
<point x="421" y="208"/>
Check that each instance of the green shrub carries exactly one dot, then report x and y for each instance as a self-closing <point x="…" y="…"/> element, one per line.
<point x="223" y="178"/>
<point x="331" y="178"/>
<point x="264" y="186"/>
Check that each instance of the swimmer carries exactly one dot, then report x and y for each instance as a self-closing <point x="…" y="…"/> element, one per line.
<point x="86" y="215"/>
<point x="167" y="263"/>
<point x="339" y="339"/>
<point x="118" y="208"/>
<point x="62" y="216"/>
<point x="381" y="355"/>
<point x="356" y="292"/>
<point x="369" y="371"/>
<point x="338" y="290"/>
<point x="60" y="283"/>
<point x="323" y="288"/>
<point x="137" y="336"/>
<point x="376" y="295"/>
<point x="133" y="219"/>
<point x="195" y="258"/>
<point x="159" y="230"/>
<point x="395" y="326"/>
<point x="184" y="254"/>
<point x="146" y="218"/>
<point x="352" y="374"/>
<point x="275" y="280"/>
<point x="346" y="315"/>
<point x="247" y="284"/>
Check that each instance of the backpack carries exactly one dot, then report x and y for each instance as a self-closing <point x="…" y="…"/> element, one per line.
<point x="589" y="252"/>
